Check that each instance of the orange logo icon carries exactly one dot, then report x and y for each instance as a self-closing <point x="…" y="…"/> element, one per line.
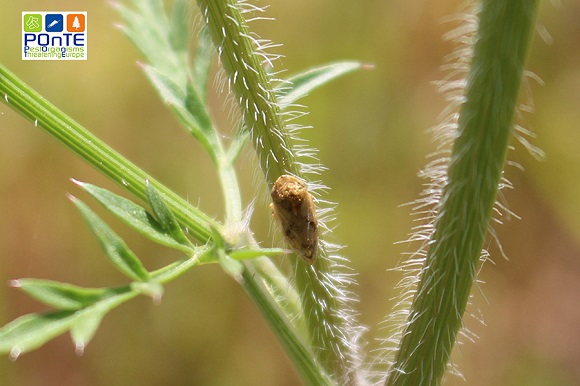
<point x="75" y="22"/>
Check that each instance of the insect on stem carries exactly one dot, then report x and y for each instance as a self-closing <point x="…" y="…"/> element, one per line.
<point x="294" y="210"/>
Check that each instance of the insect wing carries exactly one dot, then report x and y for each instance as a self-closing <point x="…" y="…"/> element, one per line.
<point x="294" y="210"/>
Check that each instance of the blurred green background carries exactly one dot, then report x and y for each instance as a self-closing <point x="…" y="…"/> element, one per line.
<point x="370" y="128"/>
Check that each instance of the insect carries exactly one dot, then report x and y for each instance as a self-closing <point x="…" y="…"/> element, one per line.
<point x="294" y="210"/>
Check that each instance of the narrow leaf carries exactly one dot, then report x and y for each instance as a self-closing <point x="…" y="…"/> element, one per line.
<point x="197" y="108"/>
<point x="165" y="216"/>
<point x="33" y="330"/>
<point x="115" y="248"/>
<point x="198" y="123"/>
<point x="149" y="30"/>
<point x="61" y="296"/>
<point x="300" y="85"/>
<point x="135" y="216"/>
<point x="202" y="65"/>
<point x="164" y="44"/>
<point x="179" y="26"/>
<point x="84" y="328"/>
<point x="219" y="241"/>
<point x="88" y="319"/>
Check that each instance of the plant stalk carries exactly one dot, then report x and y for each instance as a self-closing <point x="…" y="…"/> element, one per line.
<point x="241" y="57"/>
<point x="28" y="103"/>
<point x="474" y="173"/>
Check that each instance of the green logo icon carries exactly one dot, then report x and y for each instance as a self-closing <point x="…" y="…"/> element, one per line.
<point x="32" y="22"/>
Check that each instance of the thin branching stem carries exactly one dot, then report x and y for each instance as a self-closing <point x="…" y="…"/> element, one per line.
<point x="45" y="115"/>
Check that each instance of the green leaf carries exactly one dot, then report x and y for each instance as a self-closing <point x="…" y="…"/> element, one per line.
<point x="179" y="25"/>
<point x="197" y="123"/>
<point x="202" y="65"/>
<point x="150" y="31"/>
<point x="197" y="108"/>
<point x="165" y="44"/>
<point x="165" y="216"/>
<point x="84" y="328"/>
<point x="61" y="296"/>
<point x="232" y="267"/>
<point x="219" y="241"/>
<point x="115" y="248"/>
<point x="87" y="321"/>
<point x="135" y="216"/>
<point x="33" y="330"/>
<point x="300" y="85"/>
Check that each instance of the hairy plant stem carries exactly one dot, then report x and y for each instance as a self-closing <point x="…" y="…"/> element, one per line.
<point x="474" y="173"/>
<point x="251" y="86"/>
<point x="258" y="292"/>
<point x="46" y="116"/>
<point x="240" y="56"/>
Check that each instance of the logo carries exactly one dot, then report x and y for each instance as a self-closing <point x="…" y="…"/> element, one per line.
<point x="32" y="22"/>
<point x="53" y="22"/>
<point x="75" y="22"/>
<point x="54" y="36"/>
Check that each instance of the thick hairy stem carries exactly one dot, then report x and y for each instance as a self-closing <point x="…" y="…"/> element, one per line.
<point x="241" y="55"/>
<point x="473" y="175"/>
<point x="251" y="86"/>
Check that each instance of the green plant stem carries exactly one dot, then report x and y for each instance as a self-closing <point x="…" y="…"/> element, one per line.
<point x="326" y="329"/>
<point x="251" y="86"/>
<point x="474" y="173"/>
<point x="293" y="345"/>
<point x="262" y="295"/>
<point x="231" y="190"/>
<point x="31" y="105"/>
<point x="253" y="90"/>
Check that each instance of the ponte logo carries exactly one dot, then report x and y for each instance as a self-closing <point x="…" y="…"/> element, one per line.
<point x="54" y="36"/>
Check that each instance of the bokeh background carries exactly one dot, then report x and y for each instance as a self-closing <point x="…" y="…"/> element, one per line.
<point x="370" y="128"/>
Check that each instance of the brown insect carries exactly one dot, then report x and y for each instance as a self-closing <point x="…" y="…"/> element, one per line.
<point x="294" y="210"/>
